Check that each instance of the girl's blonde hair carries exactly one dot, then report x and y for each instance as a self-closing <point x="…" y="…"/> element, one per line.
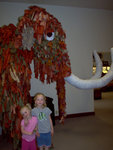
<point x="35" y="97"/>
<point x="27" y="106"/>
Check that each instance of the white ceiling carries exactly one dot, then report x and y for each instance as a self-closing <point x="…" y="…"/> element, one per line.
<point x="98" y="4"/>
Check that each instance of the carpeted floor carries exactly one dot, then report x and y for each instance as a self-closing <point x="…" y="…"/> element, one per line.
<point x="84" y="133"/>
<point x="89" y="132"/>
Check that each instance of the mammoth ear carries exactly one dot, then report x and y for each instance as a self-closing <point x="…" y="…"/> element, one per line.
<point x="27" y="37"/>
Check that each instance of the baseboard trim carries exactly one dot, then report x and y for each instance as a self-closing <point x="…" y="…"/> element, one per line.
<point x="77" y="115"/>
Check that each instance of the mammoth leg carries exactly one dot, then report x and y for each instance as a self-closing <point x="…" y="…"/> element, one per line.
<point x="60" y="86"/>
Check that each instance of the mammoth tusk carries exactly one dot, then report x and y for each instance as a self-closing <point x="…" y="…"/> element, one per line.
<point x="92" y="83"/>
<point x="98" y="66"/>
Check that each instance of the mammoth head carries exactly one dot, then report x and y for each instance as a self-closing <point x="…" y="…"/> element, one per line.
<point x="40" y="32"/>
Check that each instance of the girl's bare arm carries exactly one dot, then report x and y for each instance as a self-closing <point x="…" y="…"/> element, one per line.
<point x="51" y="124"/>
<point x="25" y="132"/>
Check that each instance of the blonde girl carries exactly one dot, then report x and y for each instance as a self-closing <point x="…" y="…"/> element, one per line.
<point x="45" y="125"/>
<point x="28" y="126"/>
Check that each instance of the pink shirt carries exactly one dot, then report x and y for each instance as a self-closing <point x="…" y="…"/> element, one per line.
<point x="30" y="127"/>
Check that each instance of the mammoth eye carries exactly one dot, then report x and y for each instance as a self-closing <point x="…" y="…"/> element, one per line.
<point x="50" y="36"/>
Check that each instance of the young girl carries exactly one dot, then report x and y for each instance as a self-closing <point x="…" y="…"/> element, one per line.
<point x="45" y="125"/>
<point x="28" y="127"/>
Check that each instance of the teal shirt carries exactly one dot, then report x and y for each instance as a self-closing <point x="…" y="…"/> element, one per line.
<point x="42" y="115"/>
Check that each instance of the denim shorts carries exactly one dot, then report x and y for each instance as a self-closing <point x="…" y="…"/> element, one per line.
<point x="44" y="139"/>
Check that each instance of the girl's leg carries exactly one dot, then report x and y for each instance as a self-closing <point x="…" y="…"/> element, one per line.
<point x="32" y="145"/>
<point x="25" y="145"/>
<point x="46" y="148"/>
<point x="41" y="148"/>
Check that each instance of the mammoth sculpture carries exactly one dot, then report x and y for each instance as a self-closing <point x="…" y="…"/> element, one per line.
<point x="38" y="36"/>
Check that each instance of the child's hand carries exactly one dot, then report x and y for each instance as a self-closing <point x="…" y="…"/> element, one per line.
<point x="30" y="133"/>
<point x="37" y="133"/>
